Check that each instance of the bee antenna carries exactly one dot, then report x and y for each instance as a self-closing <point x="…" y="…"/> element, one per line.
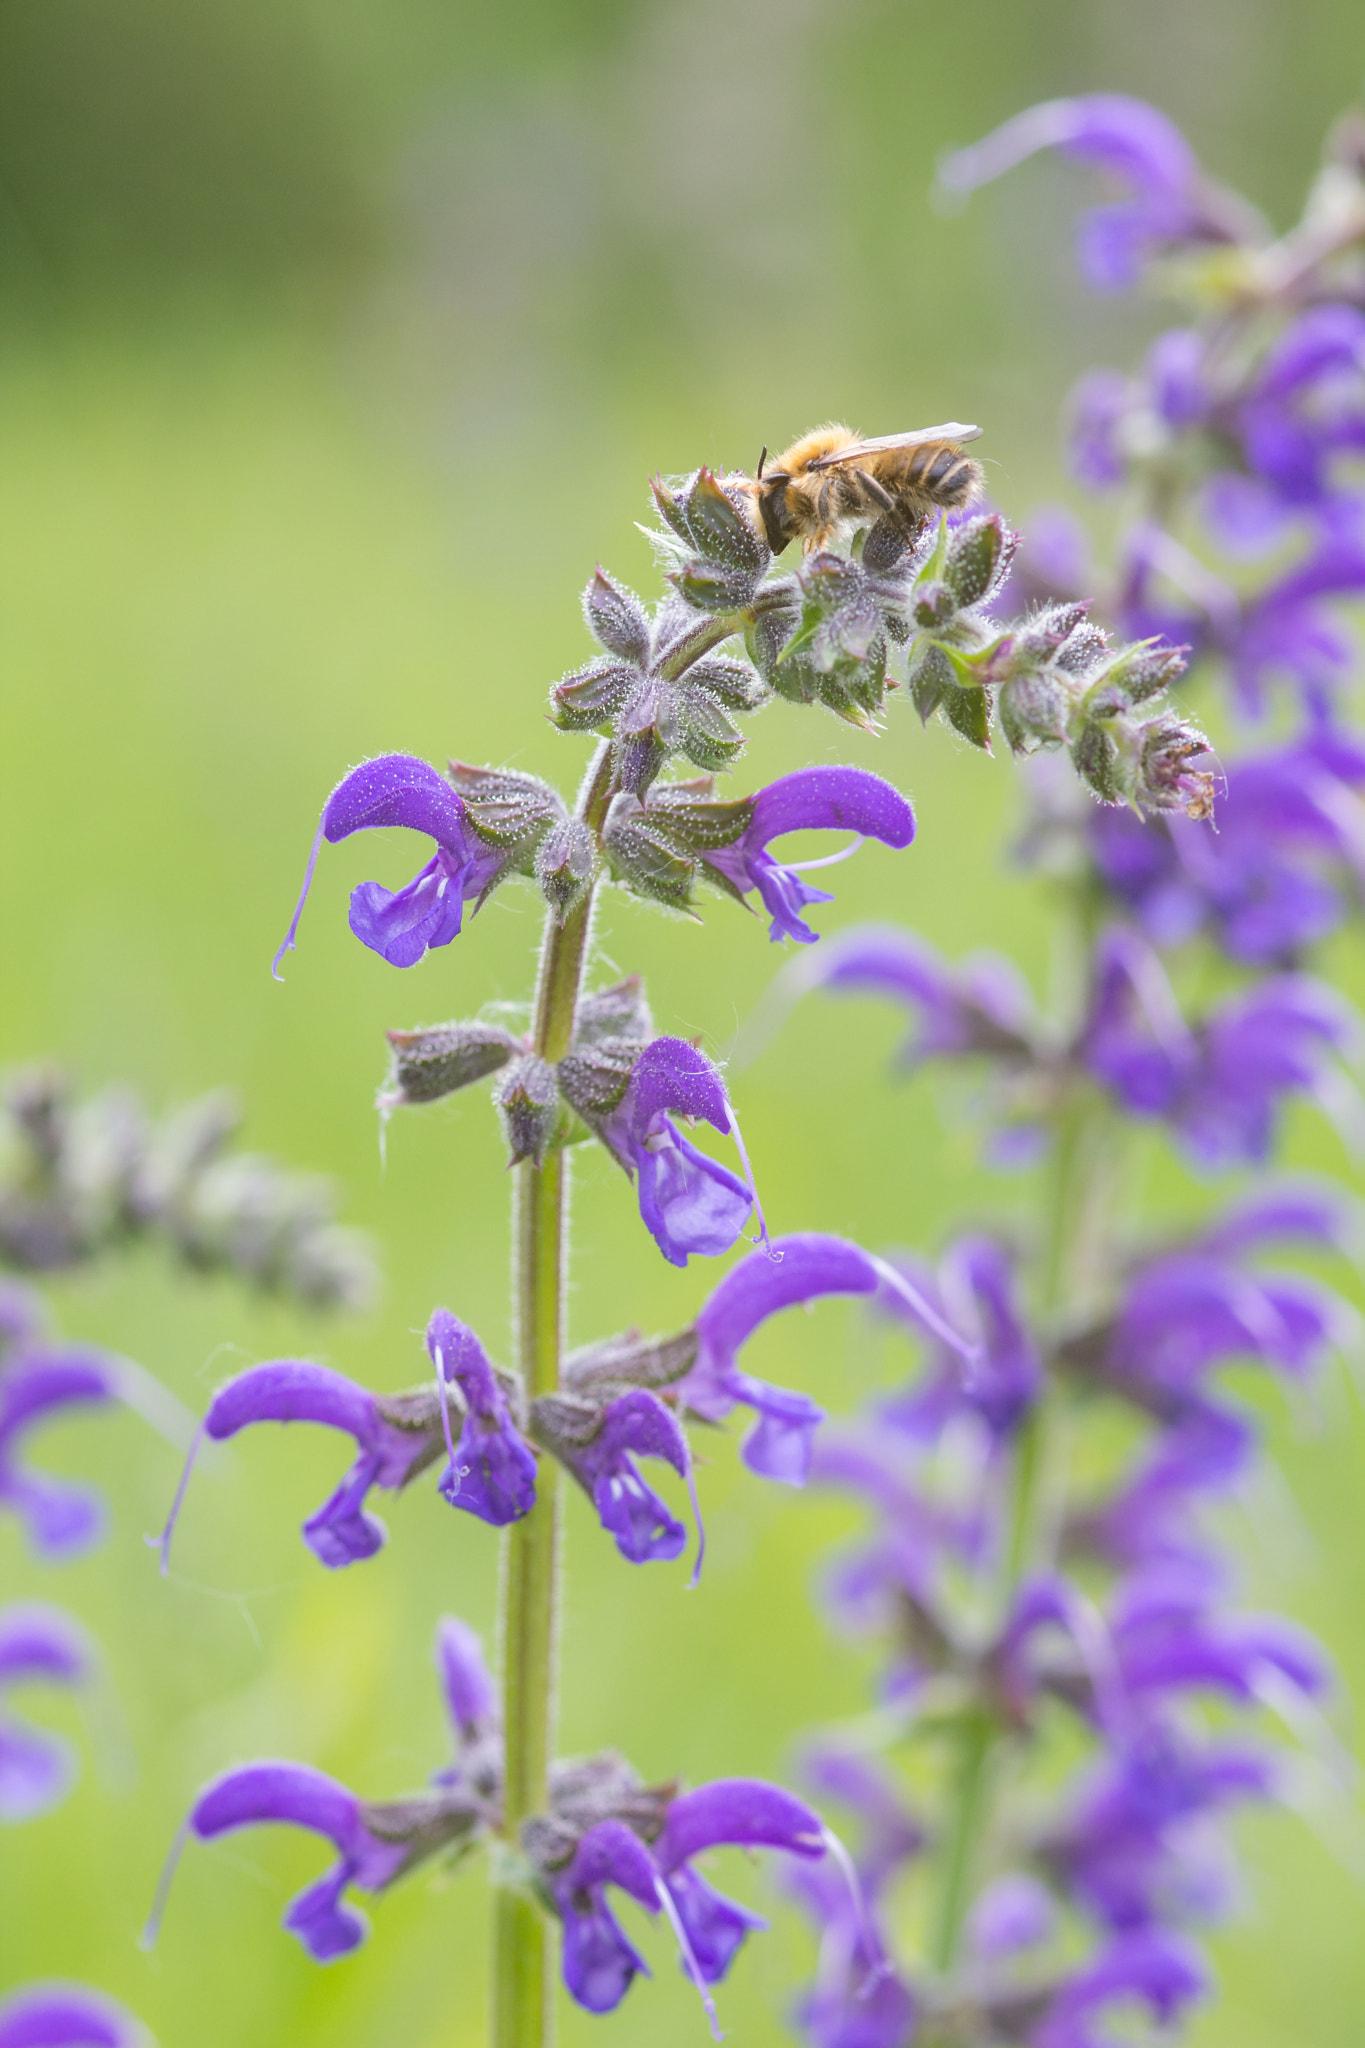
<point x="761" y="460"/>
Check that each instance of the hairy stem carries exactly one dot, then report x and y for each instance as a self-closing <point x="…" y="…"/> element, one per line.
<point x="523" y="1936"/>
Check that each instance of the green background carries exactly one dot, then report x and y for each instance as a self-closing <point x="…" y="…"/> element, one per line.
<point x="339" y="342"/>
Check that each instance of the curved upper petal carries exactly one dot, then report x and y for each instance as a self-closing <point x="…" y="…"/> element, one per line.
<point x="395" y="789"/>
<point x="827" y="799"/>
<point x="747" y="1812"/>
<point x="292" y="1390"/>
<point x="294" y="1795"/>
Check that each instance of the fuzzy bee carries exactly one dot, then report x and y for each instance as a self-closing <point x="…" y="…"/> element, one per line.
<point x="833" y="477"/>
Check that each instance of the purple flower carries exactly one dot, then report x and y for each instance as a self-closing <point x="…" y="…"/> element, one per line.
<point x="598" y="1963"/>
<point x="1288" y="824"/>
<point x="1150" y="1517"/>
<point x="375" y="1843"/>
<point x="38" y="1645"/>
<point x="398" y="789"/>
<point x="57" y="2015"/>
<point x="1308" y="403"/>
<point x="1187" y="1312"/>
<point x="1014" y="1912"/>
<point x="1286" y="632"/>
<point x="981" y="1007"/>
<point x="800" y="1268"/>
<point x="1100" y="405"/>
<point x="739" y="1812"/>
<point x="1220" y="1086"/>
<point x="976" y="1295"/>
<point x="466" y="1683"/>
<point x="396" y="1437"/>
<point x="1160" y="1968"/>
<point x="492" y="1471"/>
<point x="36" y="1382"/>
<point x="636" y="1424"/>
<point x="858" y="1999"/>
<point x="688" y="1203"/>
<point x="293" y="1795"/>
<point x="1169" y="202"/>
<point x="813" y="799"/>
<point x="1136" y="1848"/>
<point x="1168" y="1637"/>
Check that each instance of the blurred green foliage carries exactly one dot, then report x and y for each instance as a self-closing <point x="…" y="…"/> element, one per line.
<point x="338" y="344"/>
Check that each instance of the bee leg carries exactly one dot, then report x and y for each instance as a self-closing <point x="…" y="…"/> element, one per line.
<point x="876" y="490"/>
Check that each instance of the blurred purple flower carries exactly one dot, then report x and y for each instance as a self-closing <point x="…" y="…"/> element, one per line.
<point x="38" y="1645"/>
<point x="1169" y="201"/>
<point x="61" y="2015"/>
<point x="1289" y="829"/>
<point x="1220" y="1086"/>
<point x="794" y="1269"/>
<point x="1162" y="1970"/>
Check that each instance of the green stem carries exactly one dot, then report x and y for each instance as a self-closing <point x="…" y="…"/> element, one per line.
<point x="523" y="1936"/>
<point x="976" y="1740"/>
<point x="1030" y="1517"/>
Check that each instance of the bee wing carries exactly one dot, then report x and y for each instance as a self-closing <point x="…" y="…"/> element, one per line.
<point x="951" y="431"/>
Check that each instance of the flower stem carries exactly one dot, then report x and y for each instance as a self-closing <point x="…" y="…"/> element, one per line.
<point x="523" y="1936"/>
<point x="1070" y="1229"/>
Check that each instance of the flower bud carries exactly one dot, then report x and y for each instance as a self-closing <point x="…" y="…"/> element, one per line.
<point x="438" y="1059"/>
<point x="514" y="811"/>
<point x="591" y="697"/>
<point x="616" y="618"/>
<point x="714" y="586"/>
<point x="1035" y="709"/>
<point x="527" y="1101"/>
<point x="639" y="861"/>
<point x="565" y="865"/>
<point x="978" y="559"/>
<point x="620" y="1011"/>
<point x="1147" y="669"/>
<point x="594" y="1077"/>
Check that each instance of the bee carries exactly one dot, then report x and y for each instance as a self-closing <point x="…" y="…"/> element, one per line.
<point x="833" y="477"/>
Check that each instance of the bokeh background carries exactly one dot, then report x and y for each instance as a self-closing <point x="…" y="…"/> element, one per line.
<point x="339" y="341"/>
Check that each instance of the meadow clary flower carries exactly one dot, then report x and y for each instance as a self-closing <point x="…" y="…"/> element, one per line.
<point x="981" y="1007"/>
<point x="492" y="1470"/>
<point x="401" y="925"/>
<point x="397" y="1436"/>
<point x="37" y="1382"/>
<point x="38" y="1645"/>
<point x="635" y="1425"/>
<point x="62" y="2015"/>
<point x="1152" y="1966"/>
<point x="1290" y="830"/>
<point x="599" y="1963"/>
<point x="376" y="1843"/>
<point x="1169" y="202"/>
<point x="688" y="1203"/>
<point x="813" y="799"/>
<point x="1220" y="1085"/>
<point x="793" y="1269"/>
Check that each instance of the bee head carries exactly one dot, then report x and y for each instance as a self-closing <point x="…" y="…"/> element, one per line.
<point x="778" y="522"/>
